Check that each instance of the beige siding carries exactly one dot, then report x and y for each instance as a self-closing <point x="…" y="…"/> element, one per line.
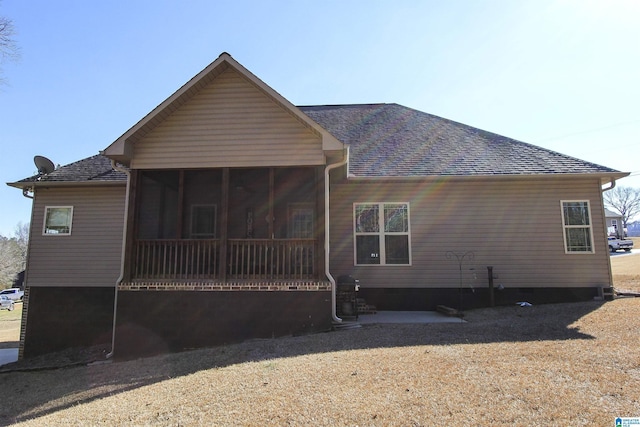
<point x="514" y="226"/>
<point x="90" y="256"/>
<point x="229" y="123"/>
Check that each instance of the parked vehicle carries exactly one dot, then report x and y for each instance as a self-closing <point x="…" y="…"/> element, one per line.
<point x="617" y="244"/>
<point x="6" y="303"/>
<point x="13" y="294"/>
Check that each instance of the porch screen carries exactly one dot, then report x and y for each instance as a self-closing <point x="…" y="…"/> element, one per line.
<point x="382" y="233"/>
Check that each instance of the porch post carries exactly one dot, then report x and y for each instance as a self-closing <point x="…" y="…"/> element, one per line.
<point x="132" y="225"/>
<point x="224" y="219"/>
<point x="180" y="223"/>
<point x="319" y="225"/>
<point x="271" y="201"/>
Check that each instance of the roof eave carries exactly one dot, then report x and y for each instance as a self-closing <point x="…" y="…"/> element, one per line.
<point x="605" y="177"/>
<point x="42" y="184"/>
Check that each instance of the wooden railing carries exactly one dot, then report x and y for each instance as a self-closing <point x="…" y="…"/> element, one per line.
<point x="198" y="259"/>
<point x="271" y="259"/>
<point x="175" y="259"/>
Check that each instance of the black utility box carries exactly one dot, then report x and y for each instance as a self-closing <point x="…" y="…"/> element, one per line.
<point x="347" y="296"/>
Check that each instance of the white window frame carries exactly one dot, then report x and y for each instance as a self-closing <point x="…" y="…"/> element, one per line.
<point x="48" y="231"/>
<point x="381" y="234"/>
<point x="566" y="227"/>
<point x="292" y="209"/>
<point x="196" y="235"/>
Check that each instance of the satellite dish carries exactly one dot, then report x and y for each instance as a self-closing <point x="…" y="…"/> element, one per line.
<point x="44" y="165"/>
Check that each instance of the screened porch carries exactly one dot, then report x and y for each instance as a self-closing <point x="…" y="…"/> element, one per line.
<point x="225" y="224"/>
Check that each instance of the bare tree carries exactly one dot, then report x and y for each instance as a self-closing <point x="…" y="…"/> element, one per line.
<point x="21" y="235"/>
<point x="624" y="200"/>
<point x="8" y="46"/>
<point x="10" y="261"/>
<point x="13" y="254"/>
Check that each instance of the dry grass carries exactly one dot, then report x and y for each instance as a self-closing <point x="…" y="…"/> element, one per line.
<point x="10" y="327"/>
<point x="569" y="364"/>
<point x="626" y="269"/>
<point x="572" y="364"/>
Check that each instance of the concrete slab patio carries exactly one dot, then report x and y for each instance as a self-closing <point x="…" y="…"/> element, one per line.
<point x="407" y="317"/>
<point x="8" y="355"/>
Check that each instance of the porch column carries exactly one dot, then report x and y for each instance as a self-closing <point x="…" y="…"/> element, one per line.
<point x="271" y="201"/>
<point x="319" y="225"/>
<point x="132" y="226"/>
<point x="224" y="219"/>
<point x="180" y="223"/>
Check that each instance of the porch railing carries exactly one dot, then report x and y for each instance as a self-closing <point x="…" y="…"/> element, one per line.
<point x="175" y="259"/>
<point x="198" y="259"/>
<point x="271" y="259"/>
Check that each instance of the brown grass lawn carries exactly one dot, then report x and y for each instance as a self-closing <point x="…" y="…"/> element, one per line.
<point x="10" y="326"/>
<point x="558" y="364"/>
<point x="626" y="269"/>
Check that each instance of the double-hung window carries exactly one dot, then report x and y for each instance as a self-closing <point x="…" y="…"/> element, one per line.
<point x="57" y="220"/>
<point x="576" y="222"/>
<point x="382" y="234"/>
<point x="203" y="221"/>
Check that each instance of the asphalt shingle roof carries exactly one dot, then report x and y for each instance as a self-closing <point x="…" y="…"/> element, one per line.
<point x="94" y="168"/>
<point x="389" y="140"/>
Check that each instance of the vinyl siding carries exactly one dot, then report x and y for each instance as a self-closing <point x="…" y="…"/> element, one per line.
<point x="90" y="256"/>
<point x="514" y="226"/>
<point x="229" y="123"/>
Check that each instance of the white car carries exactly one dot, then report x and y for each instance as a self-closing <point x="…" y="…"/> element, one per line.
<point x="6" y="303"/>
<point x="14" y="294"/>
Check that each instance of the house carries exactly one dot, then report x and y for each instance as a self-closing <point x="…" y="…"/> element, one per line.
<point x="227" y="213"/>
<point x="614" y="224"/>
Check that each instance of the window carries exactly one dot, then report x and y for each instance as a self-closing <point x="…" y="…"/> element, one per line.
<point x="300" y="221"/>
<point x="57" y="220"/>
<point x="382" y="234"/>
<point x="576" y="219"/>
<point x="203" y="221"/>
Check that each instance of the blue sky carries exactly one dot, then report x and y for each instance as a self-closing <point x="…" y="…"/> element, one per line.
<point x="564" y="75"/>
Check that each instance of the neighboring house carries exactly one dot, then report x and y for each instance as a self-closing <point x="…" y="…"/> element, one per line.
<point x="614" y="224"/>
<point x="227" y="212"/>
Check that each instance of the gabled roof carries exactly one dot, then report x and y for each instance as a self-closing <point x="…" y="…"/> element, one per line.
<point x="611" y="214"/>
<point x="392" y="141"/>
<point x="389" y="140"/>
<point x="121" y="149"/>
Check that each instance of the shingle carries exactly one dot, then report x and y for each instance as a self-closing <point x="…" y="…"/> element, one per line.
<point x="392" y="140"/>
<point x="389" y="140"/>
<point x="94" y="168"/>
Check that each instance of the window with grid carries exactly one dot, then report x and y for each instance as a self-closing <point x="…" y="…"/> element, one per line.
<point x="576" y="221"/>
<point x="382" y="234"/>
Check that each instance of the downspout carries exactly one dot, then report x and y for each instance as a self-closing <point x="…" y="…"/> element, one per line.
<point x="25" y="192"/>
<point x="611" y="187"/>
<point x="122" y="254"/>
<point x="326" y="233"/>
<point x="603" y="190"/>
